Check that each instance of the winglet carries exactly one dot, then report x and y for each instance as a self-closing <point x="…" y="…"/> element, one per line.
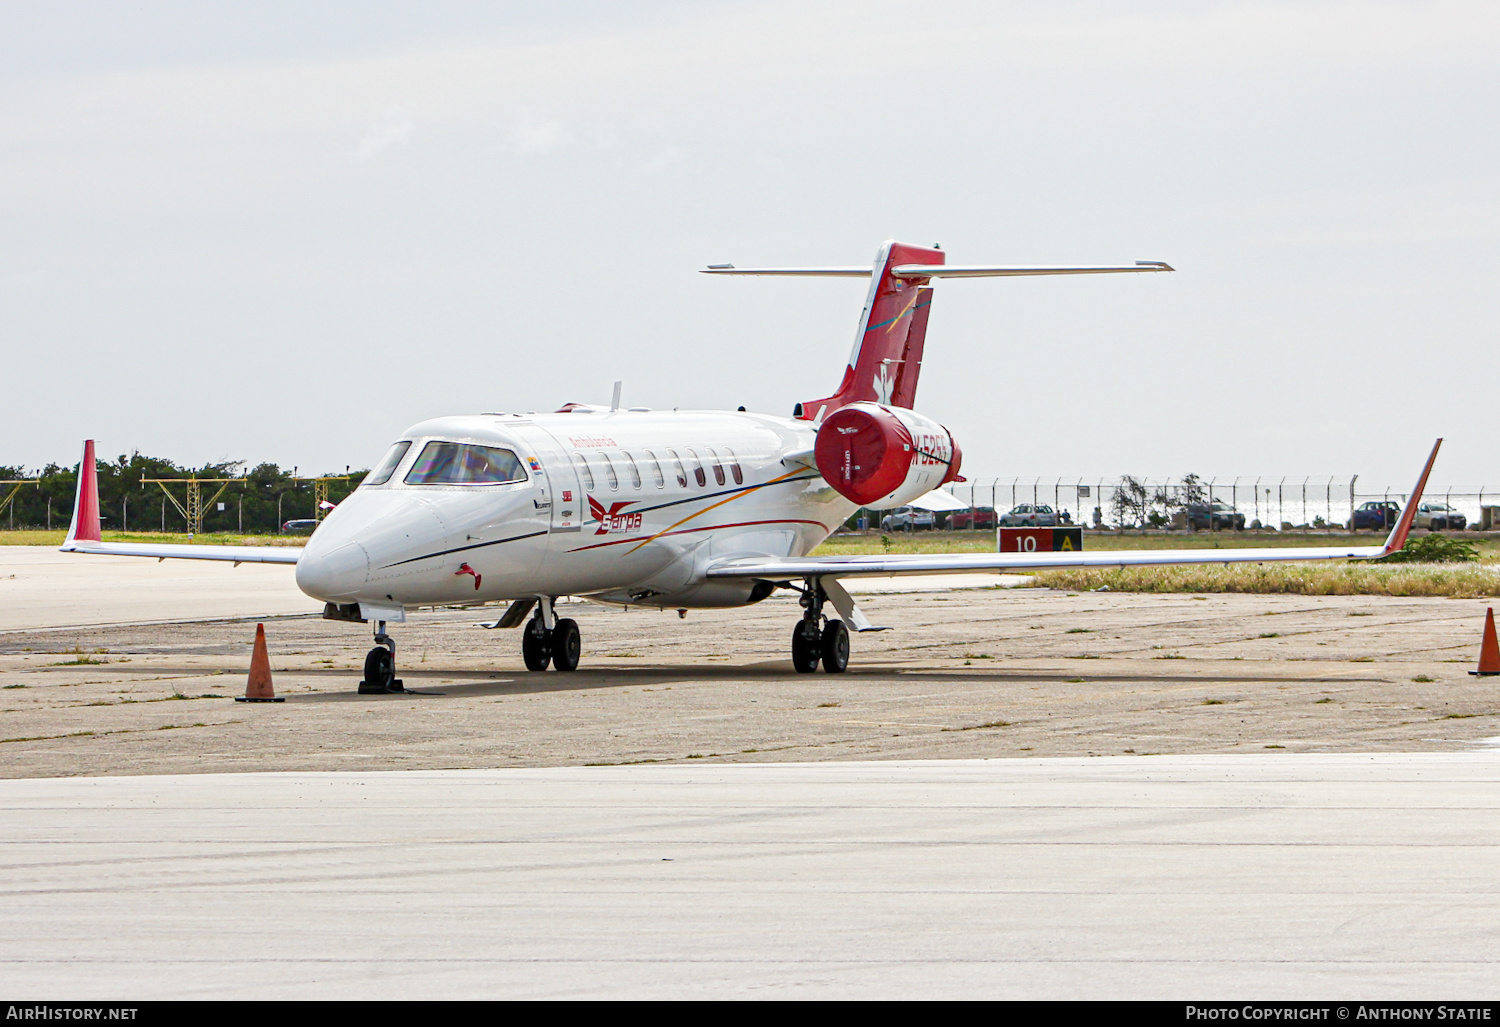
<point x="85" y="526"/>
<point x="1397" y="538"/>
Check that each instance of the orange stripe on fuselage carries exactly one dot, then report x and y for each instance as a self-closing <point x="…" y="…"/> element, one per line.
<point x="715" y="506"/>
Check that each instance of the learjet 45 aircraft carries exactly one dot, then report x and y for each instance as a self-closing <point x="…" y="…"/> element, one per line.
<point x="666" y="509"/>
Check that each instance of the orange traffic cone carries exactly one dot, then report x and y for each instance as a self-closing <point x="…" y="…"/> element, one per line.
<point x="259" y="688"/>
<point x="1489" y="649"/>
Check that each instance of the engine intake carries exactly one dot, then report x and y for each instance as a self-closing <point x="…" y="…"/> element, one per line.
<point x="884" y="456"/>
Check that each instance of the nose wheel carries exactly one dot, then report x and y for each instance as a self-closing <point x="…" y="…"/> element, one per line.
<point x="560" y="645"/>
<point x="380" y="666"/>
<point x="816" y="639"/>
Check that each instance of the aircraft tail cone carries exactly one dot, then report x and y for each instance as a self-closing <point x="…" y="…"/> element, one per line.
<point x="1489" y="649"/>
<point x="259" y="687"/>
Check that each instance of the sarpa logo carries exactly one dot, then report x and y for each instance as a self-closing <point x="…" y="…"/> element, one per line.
<point x="614" y="520"/>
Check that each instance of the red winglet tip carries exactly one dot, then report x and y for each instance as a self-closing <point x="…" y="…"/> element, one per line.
<point x="85" y="526"/>
<point x="1398" y="534"/>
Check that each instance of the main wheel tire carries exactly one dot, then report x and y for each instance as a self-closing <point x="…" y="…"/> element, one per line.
<point x="835" y="647"/>
<point x="535" y="650"/>
<point x="566" y="645"/>
<point x="380" y="670"/>
<point x="806" y="647"/>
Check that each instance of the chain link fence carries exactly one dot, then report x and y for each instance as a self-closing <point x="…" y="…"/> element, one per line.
<point x="1313" y="502"/>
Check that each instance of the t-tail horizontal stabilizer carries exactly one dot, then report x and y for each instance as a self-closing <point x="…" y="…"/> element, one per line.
<point x="887" y="355"/>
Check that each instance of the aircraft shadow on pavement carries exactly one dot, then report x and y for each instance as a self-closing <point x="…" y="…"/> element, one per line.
<point x="441" y="683"/>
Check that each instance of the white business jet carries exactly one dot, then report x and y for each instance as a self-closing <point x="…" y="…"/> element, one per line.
<point x="673" y="510"/>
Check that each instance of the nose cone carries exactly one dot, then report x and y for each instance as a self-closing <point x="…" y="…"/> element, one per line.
<point x="332" y="572"/>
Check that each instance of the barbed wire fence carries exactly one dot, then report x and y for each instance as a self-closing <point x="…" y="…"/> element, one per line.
<point x="1306" y="502"/>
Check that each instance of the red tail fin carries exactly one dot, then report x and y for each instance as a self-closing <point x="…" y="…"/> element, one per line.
<point x="887" y="355"/>
<point x="85" y="527"/>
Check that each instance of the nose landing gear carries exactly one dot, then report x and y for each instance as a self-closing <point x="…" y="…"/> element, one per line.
<point x="549" y="639"/>
<point x="380" y="665"/>
<point x="816" y="639"/>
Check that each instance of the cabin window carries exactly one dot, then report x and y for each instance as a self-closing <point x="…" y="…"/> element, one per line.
<point x="382" y="473"/>
<point x="718" y="467"/>
<point x="698" y="474"/>
<point x="677" y="463"/>
<point x="457" y="463"/>
<point x="635" y="472"/>
<point x="661" y="481"/>
<point x="609" y="472"/>
<point x="585" y="470"/>
<point x="734" y="466"/>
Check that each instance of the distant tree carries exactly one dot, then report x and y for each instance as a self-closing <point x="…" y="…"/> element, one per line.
<point x="1131" y="502"/>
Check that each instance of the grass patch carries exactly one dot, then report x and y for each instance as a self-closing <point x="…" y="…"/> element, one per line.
<point x="1275" y="747"/>
<point x="1458" y="581"/>
<point x="825" y="706"/>
<point x="980" y="727"/>
<point x="1170" y="656"/>
<point x="220" y="538"/>
<point x="1433" y="548"/>
<point x="1212" y="702"/>
<point x="1423" y="679"/>
<point x="1074" y="681"/>
<point x="1078" y="631"/>
<point x="81" y="658"/>
<point x="1270" y="634"/>
<point x="1322" y="700"/>
<point x="1460" y="716"/>
<point x="17" y="686"/>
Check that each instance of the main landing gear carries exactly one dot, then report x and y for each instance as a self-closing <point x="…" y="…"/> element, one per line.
<point x="380" y="665"/>
<point x="816" y="638"/>
<point x="549" y="639"/>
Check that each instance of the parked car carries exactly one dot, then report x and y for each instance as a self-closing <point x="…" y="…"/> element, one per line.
<point x="1378" y="514"/>
<point x="978" y="517"/>
<point x="908" y="518"/>
<point x="300" y="527"/>
<point x="1028" y="516"/>
<point x="1439" y="516"/>
<point x="1215" y="516"/>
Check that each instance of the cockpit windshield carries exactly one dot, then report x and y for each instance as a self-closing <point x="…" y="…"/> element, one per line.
<point x="458" y="463"/>
<point x="383" y="471"/>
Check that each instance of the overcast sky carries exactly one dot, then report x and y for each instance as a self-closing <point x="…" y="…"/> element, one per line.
<point x="287" y="230"/>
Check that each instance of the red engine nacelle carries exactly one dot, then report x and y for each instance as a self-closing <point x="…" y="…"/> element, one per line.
<point x="884" y="456"/>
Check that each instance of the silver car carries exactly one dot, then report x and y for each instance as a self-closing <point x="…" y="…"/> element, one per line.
<point x="908" y="518"/>
<point x="1028" y="516"/>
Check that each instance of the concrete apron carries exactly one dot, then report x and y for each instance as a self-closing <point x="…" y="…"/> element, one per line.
<point x="1266" y="877"/>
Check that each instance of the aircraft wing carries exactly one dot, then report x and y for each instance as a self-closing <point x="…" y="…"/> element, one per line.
<point x="84" y="534"/>
<point x="782" y="568"/>
<point x="177" y="551"/>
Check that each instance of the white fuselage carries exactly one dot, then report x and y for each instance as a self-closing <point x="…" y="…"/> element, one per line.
<point x="623" y="506"/>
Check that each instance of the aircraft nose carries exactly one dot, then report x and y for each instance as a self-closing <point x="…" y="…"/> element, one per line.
<point x="333" y="574"/>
